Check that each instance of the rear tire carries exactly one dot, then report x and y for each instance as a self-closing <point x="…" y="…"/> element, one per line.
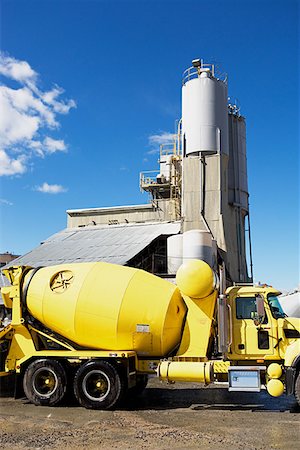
<point x="98" y="385"/>
<point x="45" y="382"/>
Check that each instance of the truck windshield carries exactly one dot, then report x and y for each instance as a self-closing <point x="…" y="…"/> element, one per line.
<point x="275" y="306"/>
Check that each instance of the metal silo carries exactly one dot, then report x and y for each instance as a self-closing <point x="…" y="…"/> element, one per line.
<point x="238" y="195"/>
<point x="204" y="111"/>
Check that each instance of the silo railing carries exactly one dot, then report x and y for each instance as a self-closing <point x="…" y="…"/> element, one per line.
<point x="194" y="72"/>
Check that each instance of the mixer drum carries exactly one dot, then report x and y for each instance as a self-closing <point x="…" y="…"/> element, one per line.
<point x="108" y="307"/>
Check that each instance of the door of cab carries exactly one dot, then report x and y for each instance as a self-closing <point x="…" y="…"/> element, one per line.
<point x="250" y="340"/>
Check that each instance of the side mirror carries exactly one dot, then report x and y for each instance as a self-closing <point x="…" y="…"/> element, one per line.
<point x="259" y="315"/>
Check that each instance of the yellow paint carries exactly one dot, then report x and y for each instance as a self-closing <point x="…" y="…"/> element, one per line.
<point x="147" y="365"/>
<point x="197" y="372"/>
<point x="275" y="387"/>
<point x="7" y="296"/>
<point x="289" y="348"/>
<point x="291" y="352"/>
<point x="21" y="346"/>
<point x="109" y="307"/>
<point x="197" y="329"/>
<point x="274" y="370"/>
<point x="221" y="366"/>
<point x="14" y="275"/>
<point x="245" y="331"/>
<point x="195" y="279"/>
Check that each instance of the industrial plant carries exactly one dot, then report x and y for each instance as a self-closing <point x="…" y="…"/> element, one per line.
<point x="198" y="204"/>
<point x="99" y="330"/>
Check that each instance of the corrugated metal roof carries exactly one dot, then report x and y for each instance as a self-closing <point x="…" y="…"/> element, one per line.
<point x="111" y="243"/>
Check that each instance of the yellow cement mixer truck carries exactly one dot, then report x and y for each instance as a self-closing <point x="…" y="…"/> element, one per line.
<point x="101" y="329"/>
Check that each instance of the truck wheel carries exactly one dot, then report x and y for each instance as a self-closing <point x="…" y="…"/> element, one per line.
<point x="297" y="388"/>
<point x="45" y="382"/>
<point x="97" y="385"/>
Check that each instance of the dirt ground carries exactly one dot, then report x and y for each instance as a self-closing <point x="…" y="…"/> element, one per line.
<point x="179" y="416"/>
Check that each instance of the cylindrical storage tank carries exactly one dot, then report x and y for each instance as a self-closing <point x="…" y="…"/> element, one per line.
<point x="237" y="165"/>
<point x="165" y="166"/>
<point x="174" y="251"/>
<point x="108" y="307"/>
<point x="197" y="244"/>
<point x="195" y="372"/>
<point x="275" y="387"/>
<point x="291" y="304"/>
<point x="204" y="114"/>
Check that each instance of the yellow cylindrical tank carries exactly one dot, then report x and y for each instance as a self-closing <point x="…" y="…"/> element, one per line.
<point x="275" y="387"/>
<point x="106" y="306"/>
<point x="274" y="370"/>
<point x="196" y="279"/>
<point x="196" y="372"/>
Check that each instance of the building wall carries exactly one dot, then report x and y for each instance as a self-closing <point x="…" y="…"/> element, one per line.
<point x="113" y="216"/>
<point x="5" y="258"/>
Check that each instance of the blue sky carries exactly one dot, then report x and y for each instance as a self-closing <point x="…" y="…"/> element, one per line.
<point x="119" y="64"/>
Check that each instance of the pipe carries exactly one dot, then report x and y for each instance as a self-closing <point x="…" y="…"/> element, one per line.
<point x="250" y="247"/>
<point x="202" y="192"/>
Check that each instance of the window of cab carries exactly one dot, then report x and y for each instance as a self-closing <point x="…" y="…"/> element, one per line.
<point x="246" y="308"/>
<point x="275" y="307"/>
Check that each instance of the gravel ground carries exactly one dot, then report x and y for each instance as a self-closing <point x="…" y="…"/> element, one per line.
<point x="181" y="416"/>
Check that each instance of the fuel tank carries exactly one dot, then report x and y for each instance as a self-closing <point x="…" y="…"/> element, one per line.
<point x="107" y="307"/>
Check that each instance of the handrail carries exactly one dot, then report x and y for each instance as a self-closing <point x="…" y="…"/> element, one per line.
<point x="230" y="325"/>
<point x="148" y="177"/>
<point x="194" y="72"/>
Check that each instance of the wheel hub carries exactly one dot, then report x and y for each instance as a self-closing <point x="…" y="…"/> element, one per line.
<point x="96" y="385"/>
<point x="45" y="382"/>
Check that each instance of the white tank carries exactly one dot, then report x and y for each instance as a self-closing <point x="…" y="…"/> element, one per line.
<point x="291" y="304"/>
<point x="174" y="248"/>
<point x="204" y="112"/>
<point x="197" y="244"/>
<point x="165" y="166"/>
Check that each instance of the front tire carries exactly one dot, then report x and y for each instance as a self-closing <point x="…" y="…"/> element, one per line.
<point x="98" y="385"/>
<point x="45" y="382"/>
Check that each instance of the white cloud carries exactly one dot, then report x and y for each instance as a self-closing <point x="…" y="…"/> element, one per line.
<point x="17" y="70"/>
<point x="27" y="115"/>
<point x="10" y="166"/>
<point x="48" y="146"/>
<point x="51" y="188"/>
<point x="61" y="107"/>
<point x="50" y="96"/>
<point x="162" y="138"/>
<point x="15" y="125"/>
<point x="54" y="145"/>
<point x="155" y="140"/>
<point x="3" y="201"/>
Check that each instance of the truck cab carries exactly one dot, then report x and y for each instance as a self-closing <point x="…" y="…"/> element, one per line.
<point x="255" y="334"/>
<point x="260" y="333"/>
